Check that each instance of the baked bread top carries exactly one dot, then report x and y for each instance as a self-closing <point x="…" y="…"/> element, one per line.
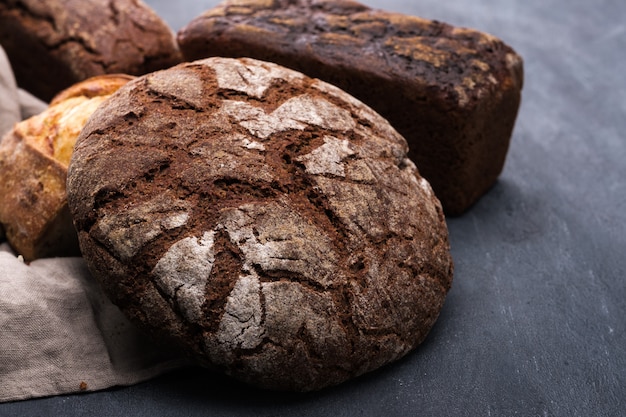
<point x="460" y="62"/>
<point x="267" y="222"/>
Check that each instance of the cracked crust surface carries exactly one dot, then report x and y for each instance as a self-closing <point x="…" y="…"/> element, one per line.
<point x="453" y="93"/>
<point x="267" y="222"/>
<point x="53" y="44"/>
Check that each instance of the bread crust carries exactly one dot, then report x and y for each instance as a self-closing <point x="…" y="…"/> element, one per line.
<point x="453" y="93"/>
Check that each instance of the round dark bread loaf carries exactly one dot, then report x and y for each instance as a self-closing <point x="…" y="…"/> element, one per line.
<point x="268" y="223"/>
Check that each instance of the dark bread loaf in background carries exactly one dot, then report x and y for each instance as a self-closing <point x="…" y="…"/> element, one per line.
<point x="453" y="93"/>
<point x="269" y="223"/>
<point x="54" y="44"/>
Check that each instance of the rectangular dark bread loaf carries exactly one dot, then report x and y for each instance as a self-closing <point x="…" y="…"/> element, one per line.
<point x="54" y="44"/>
<point x="453" y="93"/>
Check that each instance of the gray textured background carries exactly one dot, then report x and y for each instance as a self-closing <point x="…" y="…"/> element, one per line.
<point x="535" y="322"/>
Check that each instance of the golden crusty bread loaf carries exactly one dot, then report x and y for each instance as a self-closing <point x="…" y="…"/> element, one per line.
<point x="34" y="157"/>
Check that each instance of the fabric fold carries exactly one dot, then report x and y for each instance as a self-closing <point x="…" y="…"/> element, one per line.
<point x="61" y="335"/>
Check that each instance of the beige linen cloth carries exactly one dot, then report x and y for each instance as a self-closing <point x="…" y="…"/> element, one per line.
<point x="59" y="334"/>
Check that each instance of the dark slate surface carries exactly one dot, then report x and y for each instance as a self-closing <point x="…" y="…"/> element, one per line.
<point x="535" y="322"/>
